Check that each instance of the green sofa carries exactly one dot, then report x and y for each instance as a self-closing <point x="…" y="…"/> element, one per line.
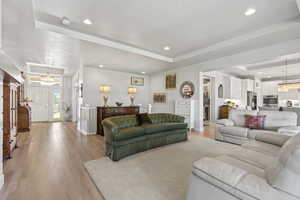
<point x="123" y="136"/>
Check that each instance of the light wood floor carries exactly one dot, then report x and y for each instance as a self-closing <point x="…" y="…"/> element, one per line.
<point x="48" y="165"/>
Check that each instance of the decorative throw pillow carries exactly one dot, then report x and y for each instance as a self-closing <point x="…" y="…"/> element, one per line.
<point x="143" y="119"/>
<point x="255" y="121"/>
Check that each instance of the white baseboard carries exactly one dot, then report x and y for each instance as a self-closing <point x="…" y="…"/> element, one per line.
<point x="199" y="129"/>
<point x="1" y="180"/>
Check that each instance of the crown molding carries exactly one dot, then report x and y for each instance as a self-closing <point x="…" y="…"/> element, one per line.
<point x="238" y="40"/>
<point x="125" y="47"/>
<point x="101" y="41"/>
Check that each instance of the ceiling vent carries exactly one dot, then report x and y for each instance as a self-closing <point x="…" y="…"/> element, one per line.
<point x="44" y="69"/>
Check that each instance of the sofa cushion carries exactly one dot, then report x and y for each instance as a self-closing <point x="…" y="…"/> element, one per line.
<point x="251" y="169"/>
<point x="275" y="120"/>
<point x="128" y="133"/>
<point x="156" y="128"/>
<point x="272" y="138"/>
<point x="124" y="121"/>
<point x="255" y="122"/>
<point x="252" y="133"/>
<point x="265" y="148"/>
<point x="236" y="180"/>
<point x="255" y="158"/>
<point x="236" y="131"/>
<point x="158" y="118"/>
<point x="286" y="174"/>
<point x="238" y="116"/>
<point x="143" y="118"/>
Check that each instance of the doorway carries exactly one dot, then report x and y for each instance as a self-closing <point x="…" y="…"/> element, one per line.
<point x="207" y="94"/>
<point x="46" y="102"/>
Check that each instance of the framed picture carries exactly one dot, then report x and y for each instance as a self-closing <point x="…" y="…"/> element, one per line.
<point x="138" y="81"/>
<point x="171" y="81"/>
<point x="160" y="98"/>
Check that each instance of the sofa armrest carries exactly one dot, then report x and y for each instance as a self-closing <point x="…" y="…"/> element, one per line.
<point x="225" y="122"/>
<point x="270" y="138"/>
<point x="110" y="129"/>
<point x="289" y="130"/>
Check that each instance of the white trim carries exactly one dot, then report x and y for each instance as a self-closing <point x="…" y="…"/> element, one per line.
<point x="101" y="41"/>
<point x="1" y="180"/>
<point x="199" y="129"/>
<point x="87" y="133"/>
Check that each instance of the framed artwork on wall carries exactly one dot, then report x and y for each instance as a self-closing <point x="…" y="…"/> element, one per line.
<point x="137" y="81"/>
<point x="170" y="81"/>
<point x="160" y="98"/>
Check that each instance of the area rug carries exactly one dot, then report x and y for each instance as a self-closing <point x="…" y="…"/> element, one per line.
<point x="158" y="174"/>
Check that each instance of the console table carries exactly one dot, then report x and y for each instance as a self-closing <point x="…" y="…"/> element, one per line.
<point x="105" y="112"/>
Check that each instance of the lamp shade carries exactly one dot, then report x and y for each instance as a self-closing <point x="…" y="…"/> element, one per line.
<point x="28" y="100"/>
<point x="104" y="89"/>
<point x="132" y="90"/>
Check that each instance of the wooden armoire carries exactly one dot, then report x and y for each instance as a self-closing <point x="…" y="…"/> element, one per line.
<point x="10" y="115"/>
<point x="14" y="111"/>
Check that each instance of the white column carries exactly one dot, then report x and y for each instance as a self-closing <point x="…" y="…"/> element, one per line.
<point x="201" y="108"/>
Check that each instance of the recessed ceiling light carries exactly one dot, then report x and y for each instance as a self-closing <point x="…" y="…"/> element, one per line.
<point x="250" y="11"/>
<point x="167" y="48"/>
<point x="143" y="72"/>
<point x="243" y="68"/>
<point x="87" y="22"/>
<point x="101" y="66"/>
<point x="65" y="21"/>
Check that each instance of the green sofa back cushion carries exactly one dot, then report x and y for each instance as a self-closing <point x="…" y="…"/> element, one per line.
<point x="124" y="121"/>
<point x="157" y="118"/>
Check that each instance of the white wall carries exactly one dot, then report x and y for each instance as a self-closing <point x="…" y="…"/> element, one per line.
<point x="157" y="85"/>
<point x="119" y="81"/>
<point x="193" y="74"/>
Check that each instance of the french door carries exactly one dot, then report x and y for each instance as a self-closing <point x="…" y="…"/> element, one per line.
<point x="46" y="103"/>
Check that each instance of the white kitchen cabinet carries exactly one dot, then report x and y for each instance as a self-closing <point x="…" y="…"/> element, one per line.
<point x="269" y="88"/>
<point x="249" y="85"/>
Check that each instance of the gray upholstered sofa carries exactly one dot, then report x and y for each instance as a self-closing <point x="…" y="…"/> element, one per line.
<point x="267" y="168"/>
<point x="233" y="130"/>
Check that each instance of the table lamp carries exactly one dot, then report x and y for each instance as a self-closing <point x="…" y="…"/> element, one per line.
<point x="132" y="91"/>
<point x="27" y="100"/>
<point x="105" y="89"/>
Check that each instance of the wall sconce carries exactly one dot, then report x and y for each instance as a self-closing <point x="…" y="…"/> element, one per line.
<point x="132" y="91"/>
<point x="105" y="89"/>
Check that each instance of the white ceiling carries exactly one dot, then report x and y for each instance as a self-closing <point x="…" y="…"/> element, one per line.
<point x="277" y="69"/>
<point x="185" y="25"/>
<point x="130" y="35"/>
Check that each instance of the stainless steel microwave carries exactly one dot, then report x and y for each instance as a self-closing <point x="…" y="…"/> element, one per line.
<point x="270" y="100"/>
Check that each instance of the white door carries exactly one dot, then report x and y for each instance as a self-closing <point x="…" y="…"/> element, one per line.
<point x="55" y="103"/>
<point x="40" y="103"/>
